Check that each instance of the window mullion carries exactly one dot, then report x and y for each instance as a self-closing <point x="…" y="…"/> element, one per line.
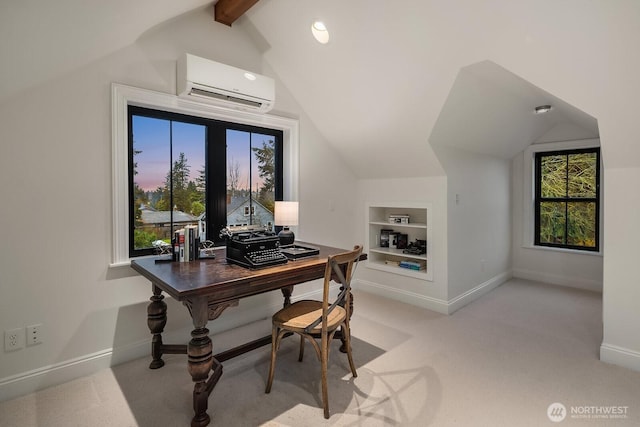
<point x="171" y="227"/>
<point x="566" y="203"/>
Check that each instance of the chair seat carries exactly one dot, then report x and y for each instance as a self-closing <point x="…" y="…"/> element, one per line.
<point x="300" y="314"/>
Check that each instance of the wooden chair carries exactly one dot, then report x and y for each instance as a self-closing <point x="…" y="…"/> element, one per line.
<point x="314" y="320"/>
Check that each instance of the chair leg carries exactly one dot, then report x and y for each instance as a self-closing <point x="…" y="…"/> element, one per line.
<point x="274" y="348"/>
<point x="324" y="361"/>
<point x="301" y="353"/>
<point x="346" y="333"/>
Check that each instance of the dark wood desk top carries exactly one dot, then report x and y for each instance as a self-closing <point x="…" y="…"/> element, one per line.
<point x="220" y="281"/>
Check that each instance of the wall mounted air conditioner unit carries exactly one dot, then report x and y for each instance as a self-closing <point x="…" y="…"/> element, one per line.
<point x="224" y="85"/>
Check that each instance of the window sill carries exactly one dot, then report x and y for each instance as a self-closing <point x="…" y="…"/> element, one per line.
<point x="562" y="250"/>
<point x="120" y="264"/>
<point x="127" y="262"/>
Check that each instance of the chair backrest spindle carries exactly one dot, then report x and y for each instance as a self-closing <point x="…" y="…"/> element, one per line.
<point x="342" y="267"/>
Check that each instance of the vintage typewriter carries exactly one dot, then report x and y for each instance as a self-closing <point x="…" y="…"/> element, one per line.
<point x="252" y="246"/>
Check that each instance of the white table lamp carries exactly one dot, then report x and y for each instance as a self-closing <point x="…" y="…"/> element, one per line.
<point x="286" y="215"/>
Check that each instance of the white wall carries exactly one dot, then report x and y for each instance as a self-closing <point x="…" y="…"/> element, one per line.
<point x="621" y="341"/>
<point x="479" y="217"/>
<point x="55" y="166"/>
<point x="327" y="192"/>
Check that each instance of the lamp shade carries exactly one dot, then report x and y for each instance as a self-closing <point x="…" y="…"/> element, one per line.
<point x="286" y="213"/>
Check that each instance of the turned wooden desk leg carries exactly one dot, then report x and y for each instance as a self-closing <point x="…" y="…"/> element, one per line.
<point x="156" y="320"/>
<point x="286" y="293"/>
<point x="200" y="362"/>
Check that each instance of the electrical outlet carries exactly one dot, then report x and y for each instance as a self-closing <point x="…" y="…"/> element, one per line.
<point x="13" y="339"/>
<point x="34" y="334"/>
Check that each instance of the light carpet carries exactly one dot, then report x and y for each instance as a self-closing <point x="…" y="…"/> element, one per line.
<point x="501" y="361"/>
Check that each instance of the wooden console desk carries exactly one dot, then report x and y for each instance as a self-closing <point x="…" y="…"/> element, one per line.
<point x="207" y="288"/>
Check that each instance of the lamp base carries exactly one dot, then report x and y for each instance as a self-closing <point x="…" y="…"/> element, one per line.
<point x="286" y="236"/>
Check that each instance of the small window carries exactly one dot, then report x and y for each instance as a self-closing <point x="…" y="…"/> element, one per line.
<point x="567" y="199"/>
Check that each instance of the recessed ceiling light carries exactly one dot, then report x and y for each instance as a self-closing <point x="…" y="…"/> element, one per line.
<point x="320" y="32"/>
<point x="541" y="109"/>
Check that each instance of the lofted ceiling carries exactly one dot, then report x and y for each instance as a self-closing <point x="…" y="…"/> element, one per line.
<point x="393" y="79"/>
<point x="497" y="109"/>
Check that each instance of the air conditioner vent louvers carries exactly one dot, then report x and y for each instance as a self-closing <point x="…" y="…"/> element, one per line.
<point x="207" y="94"/>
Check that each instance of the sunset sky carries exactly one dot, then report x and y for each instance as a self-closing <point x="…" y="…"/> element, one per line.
<point x="152" y="138"/>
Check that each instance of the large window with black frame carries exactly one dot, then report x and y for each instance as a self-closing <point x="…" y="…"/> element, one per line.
<point x="186" y="170"/>
<point x="567" y="199"/>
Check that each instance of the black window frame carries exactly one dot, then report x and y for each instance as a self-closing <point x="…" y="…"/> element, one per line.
<point x="215" y="168"/>
<point x="539" y="199"/>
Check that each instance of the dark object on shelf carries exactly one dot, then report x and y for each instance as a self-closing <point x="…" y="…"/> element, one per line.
<point x="402" y="240"/>
<point x="384" y="237"/>
<point x="418" y="247"/>
<point x="393" y="240"/>
<point x="298" y="251"/>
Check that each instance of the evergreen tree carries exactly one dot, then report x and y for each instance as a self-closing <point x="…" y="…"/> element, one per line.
<point x="266" y="164"/>
<point x="201" y="186"/>
<point x="139" y="196"/>
<point x="178" y="177"/>
<point x="265" y="157"/>
<point x="181" y="199"/>
<point x="162" y="198"/>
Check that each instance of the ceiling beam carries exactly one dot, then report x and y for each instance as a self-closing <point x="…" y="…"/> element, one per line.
<point x="227" y="11"/>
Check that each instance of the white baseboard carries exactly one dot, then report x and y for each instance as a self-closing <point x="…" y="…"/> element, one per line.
<point x="59" y="373"/>
<point x="620" y="356"/>
<point x="47" y="376"/>
<point x="434" y="304"/>
<point x="401" y="295"/>
<point x="467" y="297"/>
<point x="556" y="279"/>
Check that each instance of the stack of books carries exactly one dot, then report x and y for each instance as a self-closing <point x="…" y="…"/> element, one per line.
<point x="413" y="265"/>
<point x="186" y="244"/>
